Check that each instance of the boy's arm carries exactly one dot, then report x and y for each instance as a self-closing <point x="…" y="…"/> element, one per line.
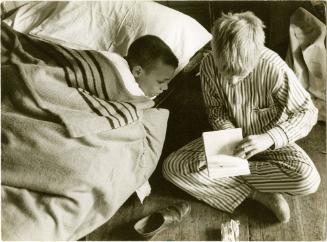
<point x="218" y="117"/>
<point x="297" y="105"/>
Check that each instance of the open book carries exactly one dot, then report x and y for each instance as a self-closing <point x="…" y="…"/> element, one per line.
<point x="219" y="148"/>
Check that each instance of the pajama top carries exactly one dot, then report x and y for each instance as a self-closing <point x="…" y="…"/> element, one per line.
<point x="270" y="100"/>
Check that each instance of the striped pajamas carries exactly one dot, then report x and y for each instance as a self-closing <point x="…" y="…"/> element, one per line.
<point x="269" y="100"/>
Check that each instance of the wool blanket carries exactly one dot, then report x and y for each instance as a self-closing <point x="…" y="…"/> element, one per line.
<point x="75" y="143"/>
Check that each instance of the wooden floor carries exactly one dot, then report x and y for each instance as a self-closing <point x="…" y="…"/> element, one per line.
<point x="187" y="121"/>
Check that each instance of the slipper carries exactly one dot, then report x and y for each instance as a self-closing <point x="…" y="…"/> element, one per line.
<point x="151" y="225"/>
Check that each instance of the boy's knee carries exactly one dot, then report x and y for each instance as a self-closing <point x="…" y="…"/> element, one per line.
<point x="315" y="183"/>
<point x="309" y="183"/>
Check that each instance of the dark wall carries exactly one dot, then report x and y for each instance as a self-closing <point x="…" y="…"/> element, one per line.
<point x="275" y="15"/>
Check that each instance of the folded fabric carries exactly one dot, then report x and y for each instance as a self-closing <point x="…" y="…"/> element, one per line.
<point x="143" y="191"/>
<point x="307" y="55"/>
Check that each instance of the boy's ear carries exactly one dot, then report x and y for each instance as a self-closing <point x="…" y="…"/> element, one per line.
<point x="137" y="71"/>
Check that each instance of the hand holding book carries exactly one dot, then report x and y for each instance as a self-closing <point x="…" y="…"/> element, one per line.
<point x="252" y="145"/>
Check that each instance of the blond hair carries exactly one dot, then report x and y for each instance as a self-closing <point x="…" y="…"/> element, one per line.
<point x="237" y="42"/>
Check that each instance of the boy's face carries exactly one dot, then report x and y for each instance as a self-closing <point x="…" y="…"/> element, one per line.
<point x="155" y="79"/>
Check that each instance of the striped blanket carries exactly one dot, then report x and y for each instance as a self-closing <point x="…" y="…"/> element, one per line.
<point x="81" y="87"/>
<point x="75" y="143"/>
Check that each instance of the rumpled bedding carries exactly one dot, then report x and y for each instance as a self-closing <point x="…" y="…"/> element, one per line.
<point x="307" y="56"/>
<point x="75" y="143"/>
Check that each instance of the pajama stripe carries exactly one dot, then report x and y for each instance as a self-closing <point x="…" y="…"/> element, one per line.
<point x="287" y="170"/>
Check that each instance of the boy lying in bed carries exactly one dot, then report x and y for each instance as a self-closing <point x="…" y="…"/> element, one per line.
<point x="75" y="144"/>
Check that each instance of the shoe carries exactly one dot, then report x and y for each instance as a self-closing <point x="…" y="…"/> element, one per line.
<point x="151" y="225"/>
<point x="275" y="202"/>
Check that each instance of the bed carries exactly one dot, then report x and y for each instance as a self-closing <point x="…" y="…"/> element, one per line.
<point x="76" y="143"/>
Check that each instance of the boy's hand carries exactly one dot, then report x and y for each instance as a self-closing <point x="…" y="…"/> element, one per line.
<point x="252" y="145"/>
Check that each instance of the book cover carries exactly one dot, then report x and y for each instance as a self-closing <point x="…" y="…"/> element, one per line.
<point x="219" y="148"/>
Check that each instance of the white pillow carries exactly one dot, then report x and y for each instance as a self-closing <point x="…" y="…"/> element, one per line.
<point x="112" y="25"/>
<point x="183" y="34"/>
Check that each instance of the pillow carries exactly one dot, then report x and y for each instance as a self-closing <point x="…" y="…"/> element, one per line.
<point x="8" y="6"/>
<point x="183" y="34"/>
<point x="112" y="25"/>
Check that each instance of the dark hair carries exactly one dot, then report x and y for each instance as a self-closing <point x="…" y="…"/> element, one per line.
<point x="145" y="50"/>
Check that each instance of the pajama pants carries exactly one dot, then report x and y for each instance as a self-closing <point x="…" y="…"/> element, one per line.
<point x="286" y="170"/>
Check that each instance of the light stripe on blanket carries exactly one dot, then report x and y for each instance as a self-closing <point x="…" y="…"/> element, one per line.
<point x="90" y="73"/>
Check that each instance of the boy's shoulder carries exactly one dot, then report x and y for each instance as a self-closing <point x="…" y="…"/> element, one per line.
<point x="208" y="63"/>
<point x="272" y="59"/>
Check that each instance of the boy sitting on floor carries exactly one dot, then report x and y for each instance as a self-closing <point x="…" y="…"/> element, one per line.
<point x="246" y="85"/>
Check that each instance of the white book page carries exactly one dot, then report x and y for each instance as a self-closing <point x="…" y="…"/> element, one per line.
<point x="222" y="142"/>
<point x="219" y="148"/>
